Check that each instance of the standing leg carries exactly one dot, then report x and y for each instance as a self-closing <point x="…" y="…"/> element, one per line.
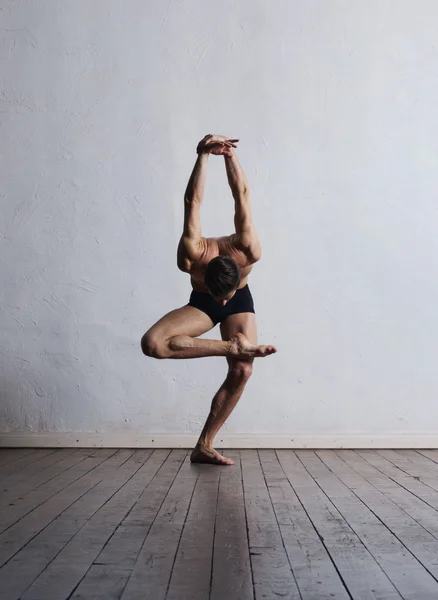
<point x="239" y="371"/>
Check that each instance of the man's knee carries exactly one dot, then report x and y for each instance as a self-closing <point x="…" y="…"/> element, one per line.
<point x="153" y="345"/>
<point x="241" y="370"/>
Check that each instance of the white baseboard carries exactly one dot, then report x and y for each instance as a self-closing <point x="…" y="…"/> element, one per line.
<point x="229" y="440"/>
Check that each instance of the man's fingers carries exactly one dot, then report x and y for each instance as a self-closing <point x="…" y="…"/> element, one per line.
<point x="213" y="145"/>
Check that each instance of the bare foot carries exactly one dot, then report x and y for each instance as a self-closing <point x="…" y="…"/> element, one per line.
<point x="241" y="347"/>
<point x="201" y="454"/>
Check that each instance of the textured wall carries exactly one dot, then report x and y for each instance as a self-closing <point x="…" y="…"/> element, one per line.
<point x="101" y="106"/>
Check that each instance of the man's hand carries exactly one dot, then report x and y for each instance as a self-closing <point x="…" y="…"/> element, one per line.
<point x="217" y="144"/>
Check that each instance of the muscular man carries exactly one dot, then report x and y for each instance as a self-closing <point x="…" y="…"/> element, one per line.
<point x="219" y="269"/>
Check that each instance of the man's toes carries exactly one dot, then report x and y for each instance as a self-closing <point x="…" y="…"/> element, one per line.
<point x="223" y="459"/>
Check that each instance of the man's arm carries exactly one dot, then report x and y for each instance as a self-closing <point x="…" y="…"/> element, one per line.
<point x="191" y="243"/>
<point x="246" y="235"/>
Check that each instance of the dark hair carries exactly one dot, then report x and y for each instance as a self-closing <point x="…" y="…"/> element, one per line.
<point x="222" y="276"/>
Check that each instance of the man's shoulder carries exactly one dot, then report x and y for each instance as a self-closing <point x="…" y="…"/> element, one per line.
<point x="228" y="245"/>
<point x="206" y="250"/>
<point x="231" y="246"/>
<point x="236" y="245"/>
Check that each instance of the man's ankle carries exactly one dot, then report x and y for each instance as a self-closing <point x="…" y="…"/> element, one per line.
<point x="203" y="444"/>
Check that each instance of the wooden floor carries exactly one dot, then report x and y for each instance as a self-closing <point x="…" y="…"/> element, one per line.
<point x="146" y="524"/>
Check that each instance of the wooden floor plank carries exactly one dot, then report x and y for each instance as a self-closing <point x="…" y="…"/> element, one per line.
<point x="271" y="572"/>
<point x="191" y="573"/>
<point x="418" y="459"/>
<point x="148" y="505"/>
<point x="17" y="574"/>
<point x="102" y="583"/>
<point x="19" y="534"/>
<point x="8" y="455"/>
<point x="407" y="529"/>
<point x="314" y="571"/>
<point x="153" y="569"/>
<point x="151" y="579"/>
<point x="419" y="510"/>
<point x="24" y="473"/>
<point x="406" y="573"/>
<point x="231" y="577"/>
<point x="123" y="547"/>
<point x="113" y="499"/>
<point x="15" y="488"/>
<point x="22" y="506"/>
<point x="412" y="483"/>
<point x="116" y="560"/>
<point x="24" y="462"/>
<point x="362" y="575"/>
<point x="427" y="474"/>
<point x="401" y="460"/>
<point x="430" y="454"/>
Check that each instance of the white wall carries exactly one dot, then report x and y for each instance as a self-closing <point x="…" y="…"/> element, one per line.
<point x="101" y="106"/>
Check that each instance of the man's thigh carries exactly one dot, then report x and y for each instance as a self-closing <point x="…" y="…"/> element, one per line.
<point x="182" y="321"/>
<point x="241" y="323"/>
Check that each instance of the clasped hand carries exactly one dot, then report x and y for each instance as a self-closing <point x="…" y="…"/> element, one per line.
<point x="217" y="144"/>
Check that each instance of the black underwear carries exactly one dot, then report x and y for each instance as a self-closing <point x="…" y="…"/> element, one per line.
<point x="241" y="302"/>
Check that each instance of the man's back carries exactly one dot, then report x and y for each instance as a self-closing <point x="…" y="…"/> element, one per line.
<point x="209" y="249"/>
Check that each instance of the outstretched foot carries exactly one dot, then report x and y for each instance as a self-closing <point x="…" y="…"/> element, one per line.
<point x="201" y="454"/>
<point x="241" y="347"/>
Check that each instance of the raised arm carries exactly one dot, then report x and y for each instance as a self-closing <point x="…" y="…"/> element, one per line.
<point x="246" y="235"/>
<point x="191" y="243"/>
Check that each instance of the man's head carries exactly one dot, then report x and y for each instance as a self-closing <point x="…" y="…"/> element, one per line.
<point x="222" y="277"/>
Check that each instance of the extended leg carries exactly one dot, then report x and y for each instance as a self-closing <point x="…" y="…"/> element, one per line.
<point x="239" y="371"/>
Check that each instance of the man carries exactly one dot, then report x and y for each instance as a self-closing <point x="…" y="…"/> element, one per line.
<point x="219" y="270"/>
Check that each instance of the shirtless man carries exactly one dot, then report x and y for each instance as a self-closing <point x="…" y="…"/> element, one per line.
<point x="219" y="269"/>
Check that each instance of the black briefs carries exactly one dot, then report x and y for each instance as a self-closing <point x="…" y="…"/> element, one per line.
<point x="241" y="302"/>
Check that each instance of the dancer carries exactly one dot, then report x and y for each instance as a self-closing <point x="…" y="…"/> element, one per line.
<point x="219" y="270"/>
